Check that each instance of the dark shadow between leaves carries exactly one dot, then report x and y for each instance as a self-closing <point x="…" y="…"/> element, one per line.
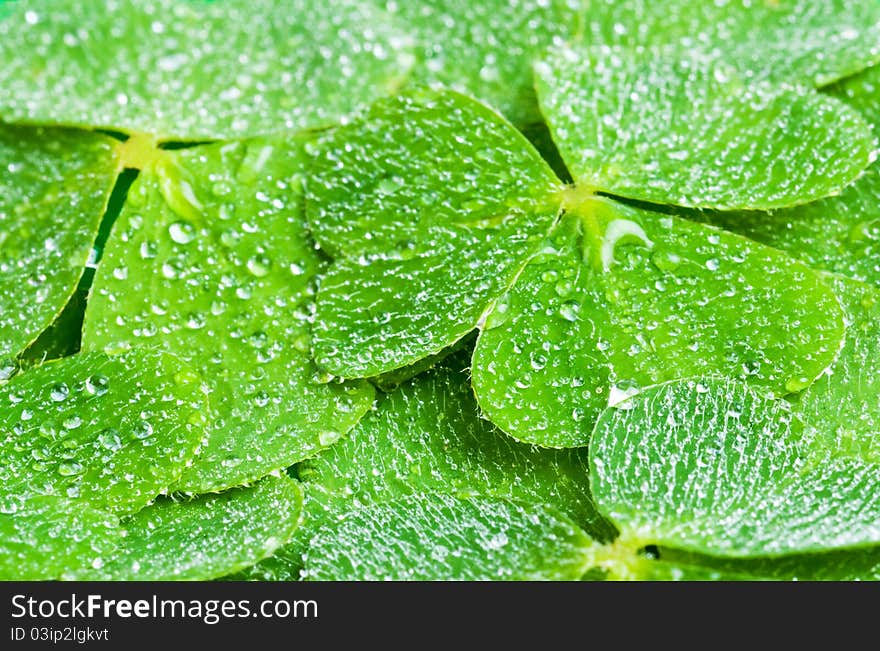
<point x="64" y="336"/>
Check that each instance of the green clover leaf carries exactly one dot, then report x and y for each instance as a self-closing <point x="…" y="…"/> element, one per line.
<point x="436" y="239"/>
<point x="597" y="296"/>
<point x="438" y="537"/>
<point x="55" y="187"/>
<point x="796" y="41"/>
<point x="426" y="437"/>
<point x="50" y="538"/>
<point x="486" y="49"/>
<point x="446" y="205"/>
<point x="196" y="71"/>
<point x="712" y="467"/>
<point x="210" y="261"/>
<point x="841" y="233"/>
<point x="841" y="407"/>
<point x="582" y="327"/>
<point x="206" y="537"/>
<point x="111" y="431"/>
<point x="688" y="132"/>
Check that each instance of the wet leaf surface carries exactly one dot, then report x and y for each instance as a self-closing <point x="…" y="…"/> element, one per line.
<point x="111" y="431"/>
<point x="210" y="261"/>
<point x="621" y="298"/>
<point x="690" y="132"/>
<point x="839" y="234"/>
<point x="613" y="299"/>
<point x="51" y="538"/>
<point x="715" y="468"/>
<point x="500" y="297"/>
<point x="54" y="187"/>
<point x="842" y="407"/>
<point x="196" y="71"/>
<point x="440" y="537"/>
<point x="793" y="41"/>
<point x="431" y="205"/>
<point x="208" y="536"/>
<point x="486" y="49"/>
<point x="427" y="437"/>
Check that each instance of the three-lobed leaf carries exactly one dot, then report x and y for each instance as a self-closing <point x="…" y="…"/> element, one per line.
<point x="411" y="276"/>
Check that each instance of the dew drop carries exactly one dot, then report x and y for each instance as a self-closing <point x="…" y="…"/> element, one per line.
<point x="195" y="321"/>
<point x="564" y="288"/>
<point x="259" y="266"/>
<point x="48" y="431"/>
<point x="499" y="314"/>
<point x="666" y="260"/>
<point x="185" y="377"/>
<point x="570" y="310"/>
<point x="8" y="367"/>
<point x="328" y="437"/>
<point x="98" y="385"/>
<point x="142" y="430"/>
<point x="795" y="384"/>
<point x="148" y="250"/>
<point x="221" y="189"/>
<point x="182" y="232"/>
<point x="109" y="439"/>
<point x="389" y="186"/>
<point x="538" y="361"/>
<point x="59" y="392"/>
<point x="70" y="468"/>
